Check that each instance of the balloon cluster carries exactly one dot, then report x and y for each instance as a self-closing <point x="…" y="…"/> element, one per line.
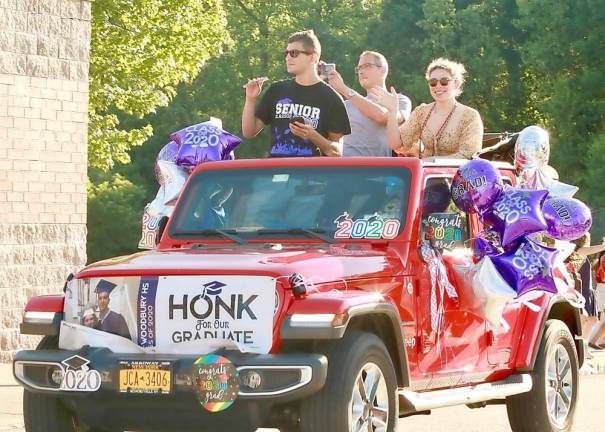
<point x="511" y="258"/>
<point x="188" y="148"/>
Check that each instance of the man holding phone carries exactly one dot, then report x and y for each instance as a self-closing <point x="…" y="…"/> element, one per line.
<point x="307" y="117"/>
<point x="368" y="119"/>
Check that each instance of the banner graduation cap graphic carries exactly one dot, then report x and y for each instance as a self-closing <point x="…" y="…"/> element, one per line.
<point x="184" y="314"/>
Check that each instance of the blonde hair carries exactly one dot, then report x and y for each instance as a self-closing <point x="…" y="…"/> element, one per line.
<point x="455" y="69"/>
<point x="378" y="58"/>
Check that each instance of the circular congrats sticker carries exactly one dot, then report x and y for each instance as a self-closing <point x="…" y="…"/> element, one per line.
<point x="216" y="382"/>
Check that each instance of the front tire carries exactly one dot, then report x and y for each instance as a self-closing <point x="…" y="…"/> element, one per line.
<point x="550" y="405"/>
<point x="42" y="413"/>
<point x="360" y="393"/>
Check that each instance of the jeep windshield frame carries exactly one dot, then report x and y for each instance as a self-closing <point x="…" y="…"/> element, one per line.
<point x="265" y="203"/>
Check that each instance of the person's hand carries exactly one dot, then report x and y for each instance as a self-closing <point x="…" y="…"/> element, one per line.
<point x="320" y="65"/>
<point x="388" y="100"/>
<point x="302" y="130"/>
<point x="254" y="87"/>
<point x="337" y="83"/>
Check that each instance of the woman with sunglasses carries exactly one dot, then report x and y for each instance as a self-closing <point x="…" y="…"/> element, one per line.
<point x="444" y="127"/>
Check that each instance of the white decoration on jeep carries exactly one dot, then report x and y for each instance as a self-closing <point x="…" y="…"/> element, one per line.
<point x="438" y="279"/>
<point x="78" y="377"/>
<point x="185" y="314"/>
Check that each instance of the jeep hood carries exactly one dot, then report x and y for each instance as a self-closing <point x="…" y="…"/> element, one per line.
<point x="324" y="263"/>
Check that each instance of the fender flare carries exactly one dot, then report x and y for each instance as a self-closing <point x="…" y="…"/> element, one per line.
<point x="43" y="315"/>
<point x="289" y="331"/>
<point x="567" y="307"/>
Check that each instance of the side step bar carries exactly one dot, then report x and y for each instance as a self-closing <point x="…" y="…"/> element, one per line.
<point x="411" y="401"/>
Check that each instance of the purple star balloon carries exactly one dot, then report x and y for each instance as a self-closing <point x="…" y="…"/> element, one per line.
<point x="516" y="213"/>
<point x="566" y="218"/>
<point x="485" y="246"/>
<point x="476" y="185"/>
<point x="204" y="142"/>
<point x="528" y="267"/>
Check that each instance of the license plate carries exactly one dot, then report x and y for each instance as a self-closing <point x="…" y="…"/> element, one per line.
<point x="142" y="376"/>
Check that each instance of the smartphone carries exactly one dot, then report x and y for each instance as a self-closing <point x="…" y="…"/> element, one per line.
<point x="326" y="68"/>
<point x="298" y="119"/>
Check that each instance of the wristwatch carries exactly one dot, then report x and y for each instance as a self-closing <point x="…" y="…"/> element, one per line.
<point x="351" y="93"/>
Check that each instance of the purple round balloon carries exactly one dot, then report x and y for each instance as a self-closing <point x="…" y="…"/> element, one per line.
<point x="204" y="142"/>
<point x="528" y="267"/>
<point x="516" y="213"/>
<point x="566" y="218"/>
<point x="476" y="185"/>
<point x="168" y="152"/>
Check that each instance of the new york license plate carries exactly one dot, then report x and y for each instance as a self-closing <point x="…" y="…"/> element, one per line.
<point x="145" y="376"/>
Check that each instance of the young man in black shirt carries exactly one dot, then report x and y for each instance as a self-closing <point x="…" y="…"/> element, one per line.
<point x="307" y="96"/>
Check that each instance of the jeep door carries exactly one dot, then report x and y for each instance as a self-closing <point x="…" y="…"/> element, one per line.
<point x="456" y="351"/>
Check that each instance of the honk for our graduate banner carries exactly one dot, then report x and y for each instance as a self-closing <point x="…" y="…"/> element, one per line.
<point x="171" y="313"/>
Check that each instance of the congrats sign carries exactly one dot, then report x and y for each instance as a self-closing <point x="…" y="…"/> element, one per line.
<point x="445" y="230"/>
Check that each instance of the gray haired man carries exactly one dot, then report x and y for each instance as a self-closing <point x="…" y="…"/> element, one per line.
<point x="368" y="119"/>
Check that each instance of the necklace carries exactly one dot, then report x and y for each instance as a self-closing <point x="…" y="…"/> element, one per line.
<point x="441" y="129"/>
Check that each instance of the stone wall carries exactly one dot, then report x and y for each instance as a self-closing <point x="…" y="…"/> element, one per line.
<point x="44" y="57"/>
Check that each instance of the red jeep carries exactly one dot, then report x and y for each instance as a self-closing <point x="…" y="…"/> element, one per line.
<point x="306" y="276"/>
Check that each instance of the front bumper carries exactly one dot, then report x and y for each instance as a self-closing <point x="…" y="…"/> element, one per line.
<point x="285" y="378"/>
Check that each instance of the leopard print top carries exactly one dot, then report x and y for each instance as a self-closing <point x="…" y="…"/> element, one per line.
<point x="461" y="137"/>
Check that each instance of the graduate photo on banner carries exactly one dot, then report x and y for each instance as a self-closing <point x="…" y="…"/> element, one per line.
<point x="170" y="313"/>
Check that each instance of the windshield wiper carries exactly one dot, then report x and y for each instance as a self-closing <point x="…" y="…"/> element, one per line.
<point x="229" y="234"/>
<point x="317" y="233"/>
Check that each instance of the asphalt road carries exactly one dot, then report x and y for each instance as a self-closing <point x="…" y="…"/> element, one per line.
<point x="590" y="416"/>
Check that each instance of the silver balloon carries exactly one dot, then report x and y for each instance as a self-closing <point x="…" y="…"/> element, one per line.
<point x="532" y="148"/>
<point x="172" y="178"/>
<point x="463" y="276"/>
<point x="535" y="179"/>
<point x="152" y="216"/>
<point x="158" y="208"/>
<point x="492" y="290"/>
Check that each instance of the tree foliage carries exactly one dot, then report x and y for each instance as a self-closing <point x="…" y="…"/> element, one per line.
<point x="141" y="50"/>
<point x="115" y="208"/>
<point x="528" y="62"/>
<point x="562" y="54"/>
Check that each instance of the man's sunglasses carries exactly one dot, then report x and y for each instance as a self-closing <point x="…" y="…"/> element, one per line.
<point x="295" y="53"/>
<point x="365" y="66"/>
<point x="443" y="81"/>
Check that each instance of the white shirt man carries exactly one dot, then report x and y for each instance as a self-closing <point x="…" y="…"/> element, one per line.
<point x="368" y="119"/>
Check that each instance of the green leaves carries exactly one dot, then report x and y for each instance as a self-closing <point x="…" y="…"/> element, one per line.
<point x="115" y="209"/>
<point x="562" y="51"/>
<point x="159" y="65"/>
<point x="141" y="50"/>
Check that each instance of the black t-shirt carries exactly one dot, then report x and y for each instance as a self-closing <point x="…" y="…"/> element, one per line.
<point x="318" y="103"/>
